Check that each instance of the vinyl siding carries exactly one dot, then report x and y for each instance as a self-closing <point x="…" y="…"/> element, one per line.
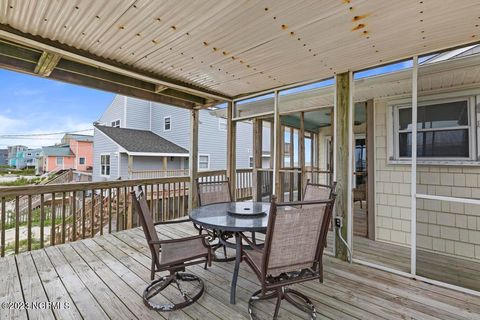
<point x="138" y="114"/>
<point x="114" y="112"/>
<point x="103" y="145"/>
<point x="154" y="163"/>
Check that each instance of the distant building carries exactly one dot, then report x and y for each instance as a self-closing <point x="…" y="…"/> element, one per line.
<point x="3" y="157"/>
<point x="27" y="158"/>
<point x="12" y="154"/>
<point x="75" y="152"/>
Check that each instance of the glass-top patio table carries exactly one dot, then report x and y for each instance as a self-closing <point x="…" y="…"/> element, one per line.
<point x="235" y="217"/>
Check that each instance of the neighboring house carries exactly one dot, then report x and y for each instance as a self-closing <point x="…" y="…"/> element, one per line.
<point x="12" y="154"/>
<point x="27" y="158"/>
<point x="171" y="125"/>
<point x="82" y="147"/>
<point x="145" y="149"/>
<point x="57" y="157"/>
<point x="75" y="152"/>
<point x="3" y="157"/>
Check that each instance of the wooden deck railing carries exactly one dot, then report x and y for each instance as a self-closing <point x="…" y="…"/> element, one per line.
<point x="32" y="217"/>
<point x="151" y="174"/>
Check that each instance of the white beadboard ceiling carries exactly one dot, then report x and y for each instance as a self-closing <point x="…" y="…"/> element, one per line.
<point x="236" y="47"/>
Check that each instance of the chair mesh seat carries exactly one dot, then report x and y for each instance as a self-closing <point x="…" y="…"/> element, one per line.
<point x="183" y="250"/>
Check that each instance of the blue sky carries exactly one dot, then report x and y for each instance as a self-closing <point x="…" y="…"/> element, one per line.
<point x="34" y="105"/>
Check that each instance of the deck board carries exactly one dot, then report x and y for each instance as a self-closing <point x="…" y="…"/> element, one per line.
<point x="104" y="278"/>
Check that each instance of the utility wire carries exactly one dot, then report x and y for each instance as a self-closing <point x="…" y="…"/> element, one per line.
<point x="13" y="136"/>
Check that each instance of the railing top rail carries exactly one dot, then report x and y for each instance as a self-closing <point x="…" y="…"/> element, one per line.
<point x="245" y="170"/>
<point x="211" y="173"/>
<point x="84" y="186"/>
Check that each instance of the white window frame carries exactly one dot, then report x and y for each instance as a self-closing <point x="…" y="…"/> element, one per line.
<point x="116" y="123"/>
<point x="394" y="154"/>
<point x="62" y="162"/>
<point x="222" y="124"/>
<point x="84" y="161"/>
<point x="109" y="164"/>
<point x="169" y="123"/>
<point x="208" y="164"/>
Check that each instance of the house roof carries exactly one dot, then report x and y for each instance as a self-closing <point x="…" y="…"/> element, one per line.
<point x="141" y="141"/>
<point x="57" y="151"/>
<point x="78" y="137"/>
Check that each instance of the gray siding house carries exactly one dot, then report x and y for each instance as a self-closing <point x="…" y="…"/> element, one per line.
<point x="3" y="157"/>
<point x="167" y="126"/>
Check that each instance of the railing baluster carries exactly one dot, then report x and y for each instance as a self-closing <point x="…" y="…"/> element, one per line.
<point x="117" y="209"/>
<point x="92" y="214"/>
<point x="42" y="220"/>
<point x="101" y="212"/>
<point x="29" y="224"/>
<point x="125" y="222"/>
<point x="2" y="237"/>
<point x="109" y="210"/>
<point x="157" y="208"/>
<point x="63" y="217"/>
<point x="83" y="213"/>
<point x="52" y="217"/>
<point x="74" y="216"/>
<point x="17" y="223"/>
<point x="169" y="214"/>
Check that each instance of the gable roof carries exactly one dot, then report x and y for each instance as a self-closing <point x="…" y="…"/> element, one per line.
<point x="141" y="141"/>
<point x="57" y="151"/>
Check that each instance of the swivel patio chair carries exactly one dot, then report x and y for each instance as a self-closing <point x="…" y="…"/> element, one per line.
<point x="212" y="192"/>
<point x="292" y="252"/>
<point x="172" y="256"/>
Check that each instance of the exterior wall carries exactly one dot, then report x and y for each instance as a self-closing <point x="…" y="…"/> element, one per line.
<point x="115" y="111"/>
<point x="138" y="114"/>
<point x="103" y="145"/>
<point x="3" y="157"/>
<point x="82" y="149"/>
<point x="212" y="140"/>
<point x="51" y="163"/>
<point x="444" y="227"/>
<point x="155" y="163"/>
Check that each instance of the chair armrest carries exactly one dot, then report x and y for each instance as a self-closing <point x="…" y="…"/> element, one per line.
<point x="177" y="240"/>
<point x="250" y="243"/>
<point x="171" y="221"/>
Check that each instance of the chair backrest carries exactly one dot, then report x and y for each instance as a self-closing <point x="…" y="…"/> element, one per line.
<point x="210" y="192"/>
<point x="296" y="235"/>
<point x="316" y="191"/>
<point x="147" y="222"/>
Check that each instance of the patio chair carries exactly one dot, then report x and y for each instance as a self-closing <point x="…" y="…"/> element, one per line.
<point x="317" y="191"/>
<point x="292" y="252"/>
<point x="172" y="256"/>
<point x="211" y="192"/>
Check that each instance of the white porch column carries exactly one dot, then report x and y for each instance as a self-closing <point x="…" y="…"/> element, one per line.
<point x="231" y="149"/>
<point x="193" y="159"/>
<point x="277" y="129"/>
<point x="413" y="187"/>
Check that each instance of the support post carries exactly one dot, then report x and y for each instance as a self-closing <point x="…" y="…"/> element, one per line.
<point x="413" y="187"/>
<point x="130" y="166"/>
<point x="370" y="143"/>
<point x="277" y="138"/>
<point x="343" y="129"/>
<point x="193" y="160"/>
<point x="231" y="149"/>
<point x="257" y="126"/>
<point x="301" y="151"/>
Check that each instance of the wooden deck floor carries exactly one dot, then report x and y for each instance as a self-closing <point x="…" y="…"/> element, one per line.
<point x="103" y="278"/>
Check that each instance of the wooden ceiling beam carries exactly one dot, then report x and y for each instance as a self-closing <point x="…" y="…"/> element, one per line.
<point x="47" y="62"/>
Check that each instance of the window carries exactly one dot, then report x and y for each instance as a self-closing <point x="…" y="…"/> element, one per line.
<point x="204" y="162"/>
<point x="222" y="124"/>
<point x="59" y="161"/>
<point x="105" y="165"/>
<point x="250" y="162"/>
<point x="167" y="123"/>
<point x="444" y="131"/>
<point x="116" y="124"/>
<point x="81" y="160"/>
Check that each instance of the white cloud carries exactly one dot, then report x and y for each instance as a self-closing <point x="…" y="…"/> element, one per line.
<point x="39" y="124"/>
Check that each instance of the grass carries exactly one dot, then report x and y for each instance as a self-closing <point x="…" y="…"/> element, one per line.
<point x="21" y="182"/>
<point x="23" y="172"/>
<point x="35" y="219"/>
<point x="22" y="246"/>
